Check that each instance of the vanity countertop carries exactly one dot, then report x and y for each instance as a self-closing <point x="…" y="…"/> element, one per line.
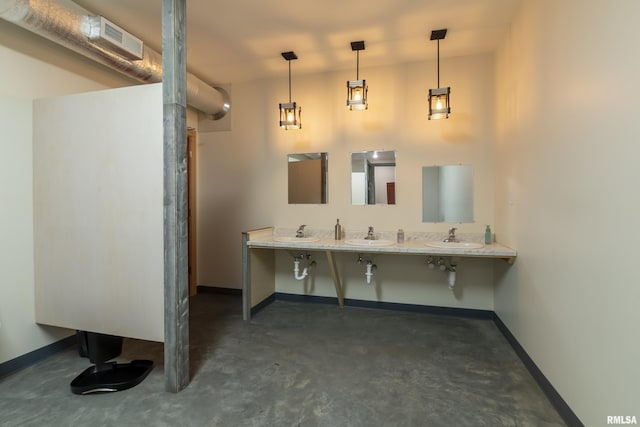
<point x="255" y="242"/>
<point x="415" y="243"/>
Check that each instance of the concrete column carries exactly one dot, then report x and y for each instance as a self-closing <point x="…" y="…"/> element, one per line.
<point x="176" y="275"/>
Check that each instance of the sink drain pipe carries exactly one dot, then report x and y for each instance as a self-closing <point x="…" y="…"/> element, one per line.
<point x="296" y="267"/>
<point x="371" y="267"/>
<point x="452" y="275"/>
<point x="442" y="266"/>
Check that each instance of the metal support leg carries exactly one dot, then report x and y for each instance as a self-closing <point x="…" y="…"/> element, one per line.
<point x="246" y="279"/>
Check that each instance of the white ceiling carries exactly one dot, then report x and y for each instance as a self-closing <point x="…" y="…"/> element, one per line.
<point x="238" y="40"/>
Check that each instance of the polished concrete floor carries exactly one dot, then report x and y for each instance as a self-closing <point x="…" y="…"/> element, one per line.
<point x="301" y="364"/>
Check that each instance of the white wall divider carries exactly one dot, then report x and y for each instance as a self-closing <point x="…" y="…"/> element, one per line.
<point x="98" y="216"/>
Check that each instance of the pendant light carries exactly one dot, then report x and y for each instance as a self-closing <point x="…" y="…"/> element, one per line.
<point x="289" y="111"/>
<point x="357" y="89"/>
<point x="439" y="107"/>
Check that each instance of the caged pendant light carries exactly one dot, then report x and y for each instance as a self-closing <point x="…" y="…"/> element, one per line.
<point x="289" y="111"/>
<point x="357" y="89"/>
<point x="439" y="106"/>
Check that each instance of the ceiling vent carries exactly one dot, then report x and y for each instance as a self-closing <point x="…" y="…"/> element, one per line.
<point x="108" y="35"/>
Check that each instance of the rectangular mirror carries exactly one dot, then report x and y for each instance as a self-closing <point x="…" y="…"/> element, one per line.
<point x="307" y="178"/>
<point x="447" y="193"/>
<point x="373" y="178"/>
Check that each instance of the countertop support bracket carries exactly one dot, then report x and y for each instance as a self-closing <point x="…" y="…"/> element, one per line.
<point x="336" y="278"/>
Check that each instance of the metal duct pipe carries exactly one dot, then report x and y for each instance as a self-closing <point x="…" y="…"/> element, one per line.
<point x="70" y="25"/>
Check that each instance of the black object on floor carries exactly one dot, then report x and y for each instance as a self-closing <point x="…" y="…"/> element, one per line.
<point x="106" y="376"/>
<point x="111" y="377"/>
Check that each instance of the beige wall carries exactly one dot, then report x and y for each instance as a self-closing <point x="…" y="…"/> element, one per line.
<point x="567" y="198"/>
<point x="403" y="279"/>
<point x="22" y="79"/>
<point x="239" y="192"/>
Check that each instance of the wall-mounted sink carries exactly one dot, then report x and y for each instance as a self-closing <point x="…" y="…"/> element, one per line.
<point x="454" y="245"/>
<point x="289" y="239"/>
<point x="371" y="243"/>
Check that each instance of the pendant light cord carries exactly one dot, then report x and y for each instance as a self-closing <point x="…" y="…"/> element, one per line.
<point x="357" y="65"/>
<point x="289" y="81"/>
<point x="438" y="63"/>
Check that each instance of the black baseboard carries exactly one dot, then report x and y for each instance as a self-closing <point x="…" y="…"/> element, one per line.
<point x="216" y="290"/>
<point x="554" y="397"/>
<point x="14" y="365"/>
<point x="468" y="313"/>
<point x="262" y="304"/>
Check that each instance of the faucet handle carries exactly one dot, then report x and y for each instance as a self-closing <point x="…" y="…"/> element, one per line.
<point x="300" y="231"/>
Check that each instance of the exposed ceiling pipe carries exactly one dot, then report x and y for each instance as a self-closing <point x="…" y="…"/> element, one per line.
<point x="71" y="26"/>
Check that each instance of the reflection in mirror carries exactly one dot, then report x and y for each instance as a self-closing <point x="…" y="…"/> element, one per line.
<point x="307" y="178"/>
<point x="373" y="178"/>
<point x="447" y="193"/>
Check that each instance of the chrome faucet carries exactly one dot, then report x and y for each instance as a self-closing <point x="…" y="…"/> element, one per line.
<point x="452" y="235"/>
<point x="300" y="231"/>
<point x="370" y="235"/>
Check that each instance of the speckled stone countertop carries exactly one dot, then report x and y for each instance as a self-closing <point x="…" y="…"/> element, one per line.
<point x="414" y="243"/>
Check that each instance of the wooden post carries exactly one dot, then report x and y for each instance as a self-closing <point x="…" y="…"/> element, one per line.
<point x="176" y="269"/>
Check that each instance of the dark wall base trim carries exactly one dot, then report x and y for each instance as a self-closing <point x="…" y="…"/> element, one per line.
<point x="14" y="365"/>
<point x="262" y="304"/>
<point x="216" y="290"/>
<point x="554" y="397"/>
<point x="428" y="309"/>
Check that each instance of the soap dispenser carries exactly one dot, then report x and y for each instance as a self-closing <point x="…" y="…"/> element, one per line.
<point x="488" y="238"/>
<point x="338" y="230"/>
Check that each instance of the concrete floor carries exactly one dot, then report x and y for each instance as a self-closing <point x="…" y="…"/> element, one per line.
<point x="301" y="364"/>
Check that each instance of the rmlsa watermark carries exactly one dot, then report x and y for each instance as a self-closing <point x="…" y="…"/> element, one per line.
<point x="622" y="419"/>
